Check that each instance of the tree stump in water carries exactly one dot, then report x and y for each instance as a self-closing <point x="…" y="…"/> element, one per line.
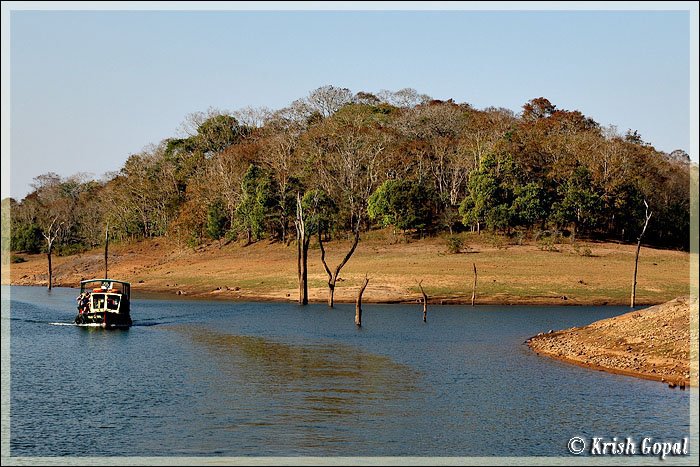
<point x="358" y="303"/>
<point x="425" y="302"/>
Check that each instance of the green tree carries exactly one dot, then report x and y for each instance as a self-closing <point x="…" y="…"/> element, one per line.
<point x="490" y="194"/>
<point x="378" y="206"/>
<point x="580" y="205"/>
<point x="217" y="220"/>
<point x="530" y="204"/>
<point x="257" y="203"/>
<point x="26" y="237"/>
<point x="405" y="204"/>
<point x="218" y="132"/>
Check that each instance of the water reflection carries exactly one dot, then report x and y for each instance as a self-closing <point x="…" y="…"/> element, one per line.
<point x="310" y="387"/>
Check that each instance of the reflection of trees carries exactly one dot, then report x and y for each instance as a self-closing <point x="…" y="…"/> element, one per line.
<point x="316" y="381"/>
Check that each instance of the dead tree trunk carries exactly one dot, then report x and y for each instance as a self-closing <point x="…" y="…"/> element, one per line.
<point x="303" y="239"/>
<point x="333" y="276"/>
<point x="474" y="285"/>
<point x="50" y="235"/>
<point x="358" y="303"/>
<point x="425" y="302"/>
<point x="647" y="216"/>
<point x="48" y="254"/>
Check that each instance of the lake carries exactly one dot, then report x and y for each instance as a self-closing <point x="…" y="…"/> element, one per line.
<point x="214" y="378"/>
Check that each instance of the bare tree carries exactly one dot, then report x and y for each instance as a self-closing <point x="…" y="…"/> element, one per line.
<point x="303" y="239"/>
<point x="145" y="193"/>
<point x="406" y="97"/>
<point x="647" y="216"/>
<point x="51" y="233"/>
<point x="252" y="117"/>
<point x="333" y="276"/>
<point x="54" y="208"/>
<point x="328" y="99"/>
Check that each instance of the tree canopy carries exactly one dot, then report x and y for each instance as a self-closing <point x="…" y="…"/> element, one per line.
<point x="363" y="160"/>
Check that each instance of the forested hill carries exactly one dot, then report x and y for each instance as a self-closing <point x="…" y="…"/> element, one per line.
<point x="352" y="162"/>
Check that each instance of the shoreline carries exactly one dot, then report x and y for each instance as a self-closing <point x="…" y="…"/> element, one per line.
<point x="651" y="343"/>
<point x="682" y="382"/>
<point x="436" y="300"/>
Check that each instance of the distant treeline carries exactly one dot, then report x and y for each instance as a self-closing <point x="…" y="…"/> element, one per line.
<point x="358" y="161"/>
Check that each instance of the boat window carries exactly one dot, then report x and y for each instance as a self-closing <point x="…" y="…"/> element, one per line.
<point x="98" y="301"/>
<point x="112" y="302"/>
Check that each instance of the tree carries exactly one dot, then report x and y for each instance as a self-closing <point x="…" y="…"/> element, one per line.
<point x="282" y="160"/>
<point x="304" y="232"/>
<point x="404" y="204"/>
<point x="144" y="197"/>
<point x="328" y="99"/>
<point x="257" y="202"/>
<point x="406" y="97"/>
<point x="211" y="132"/>
<point x="490" y="194"/>
<point x="26" y="238"/>
<point x="52" y="213"/>
<point x="538" y="108"/>
<point x="580" y="204"/>
<point x="347" y="150"/>
<point x="433" y="131"/>
<point x="217" y="220"/>
<point x="51" y="233"/>
<point x="366" y="98"/>
<point x="647" y="216"/>
<point x="530" y="204"/>
<point x="358" y="302"/>
<point x="252" y="117"/>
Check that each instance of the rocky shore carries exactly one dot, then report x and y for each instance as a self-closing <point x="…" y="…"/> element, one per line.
<point x="653" y="343"/>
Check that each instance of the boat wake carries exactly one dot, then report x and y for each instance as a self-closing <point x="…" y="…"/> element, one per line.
<point x="96" y="325"/>
<point x="145" y="324"/>
<point x="87" y="325"/>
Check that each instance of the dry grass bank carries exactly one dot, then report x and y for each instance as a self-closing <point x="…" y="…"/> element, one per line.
<point x="507" y="274"/>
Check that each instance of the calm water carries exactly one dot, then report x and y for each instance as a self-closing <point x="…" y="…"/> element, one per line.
<point x="194" y="378"/>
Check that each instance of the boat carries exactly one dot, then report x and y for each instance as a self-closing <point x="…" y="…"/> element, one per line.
<point x="104" y="303"/>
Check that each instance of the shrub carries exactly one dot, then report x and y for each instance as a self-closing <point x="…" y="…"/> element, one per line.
<point x="454" y="244"/>
<point x="547" y="240"/>
<point x="497" y="241"/>
<point x="582" y="251"/>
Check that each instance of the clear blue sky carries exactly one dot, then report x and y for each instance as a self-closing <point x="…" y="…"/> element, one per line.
<point x="89" y="88"/>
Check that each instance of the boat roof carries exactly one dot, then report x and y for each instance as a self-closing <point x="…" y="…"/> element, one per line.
<point x="104" y="280"/>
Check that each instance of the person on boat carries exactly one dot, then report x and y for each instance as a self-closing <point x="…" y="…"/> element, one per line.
<point x="83" y="300"/>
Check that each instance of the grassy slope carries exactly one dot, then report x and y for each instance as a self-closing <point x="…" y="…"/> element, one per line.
<point x="510" y="274"/>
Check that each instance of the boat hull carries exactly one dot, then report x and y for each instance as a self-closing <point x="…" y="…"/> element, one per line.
<point x="111" y="320"/>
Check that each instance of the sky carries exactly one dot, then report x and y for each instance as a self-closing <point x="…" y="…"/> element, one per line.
<point x="87" y="88"/>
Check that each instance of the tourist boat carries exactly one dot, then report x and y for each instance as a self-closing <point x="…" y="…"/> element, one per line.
<point x="104" y="303"/>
